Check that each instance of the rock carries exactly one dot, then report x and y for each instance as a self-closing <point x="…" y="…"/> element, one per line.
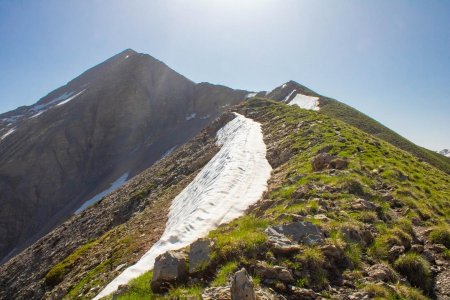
<point x="381" y="272"/>
<point x="321" y="162"/>
<point x="242" y="286"/>
<point x="417" y="248"/>
<point x="120" y="290"/>
<point x="279" y="243"/>
<point x="302" y="294"/>
<point x="395" y="252"/>
<point x="216" y="293"/>
<point x="339" y="164"/>
<point x="263" y="270"/>
<point x="352" y="234"/>
<point x="199" y="254"/>
<point x="303" y="232"/>
<point x="326" y="161"/>
<point x="362" y="204"/>
<point x="170" y="269"/>
<point x="335" y="258"/>
<point x="300" y="192"/>
<point x="322" y="218"/>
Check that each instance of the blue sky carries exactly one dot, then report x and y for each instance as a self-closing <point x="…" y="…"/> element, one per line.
<point x="389" y="59"/>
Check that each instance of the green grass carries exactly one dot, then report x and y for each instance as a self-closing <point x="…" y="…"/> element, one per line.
<point x="416" y="269"/>
<point x="57" y="273"/>
<point x="441" y="235"/>
<point x="224" y="273"/>
<point x="361" y="121"/>
<point x="242" y="235"/>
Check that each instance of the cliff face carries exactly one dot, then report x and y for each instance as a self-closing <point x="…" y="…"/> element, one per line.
<point x="111" y="122"/>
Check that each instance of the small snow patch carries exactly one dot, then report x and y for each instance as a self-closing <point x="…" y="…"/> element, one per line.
<point x="283" y="86"/>
<point x="168" y="152"/>
<point x="114" y="186"/>
<point x="250" y="95"/>
<point x="70" y="98"/>
<point x="231" y="181"/>
<point x="191" y="116"/>
<point x="7" y="134"/>
<point x="289" y="96"/>
<point x="305" y="102"/>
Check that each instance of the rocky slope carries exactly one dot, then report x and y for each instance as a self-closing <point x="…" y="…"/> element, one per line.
<point x="105" y="126"/>
<point x="346" y="216"/>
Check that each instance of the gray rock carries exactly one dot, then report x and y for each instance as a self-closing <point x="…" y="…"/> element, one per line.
<point x="199" y="254"/>
<point x="279" y="243"/>
<point x="395" y="252"/>
<point x="242" y="286"/>
<point x="265" y="271"/>
<point x="304" y="232"/>
<point x="170" y="268"/>
<point x="381" y="272"/>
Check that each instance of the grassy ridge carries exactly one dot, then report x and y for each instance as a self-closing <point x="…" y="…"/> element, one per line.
<point x="405" y="191"/>
<point x="355" y="118"/>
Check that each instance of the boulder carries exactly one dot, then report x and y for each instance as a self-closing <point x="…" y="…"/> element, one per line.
<point x="279" y="243"/>
<point x="362" y="204"/>
<point x="303" y="232"/>
<point x="242" y="286"/>
<point x="265" y="271"/>
<point x="395" y="252"/>
<point x="303" y="294"/>
<point x="170" y="269"/>
<point x="325" y="161"/>
<point x="381" y="272"/>
<point x="199" y="254"/>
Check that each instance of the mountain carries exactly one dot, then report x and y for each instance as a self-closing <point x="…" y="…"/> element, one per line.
<point x="280" y="192"/>
<point x="445" y="152"/>
<point x="88" y="137"/>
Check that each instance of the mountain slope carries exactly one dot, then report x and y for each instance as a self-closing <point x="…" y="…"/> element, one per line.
<point x="361" y="121"/>
<point x="370" y="201"/>
<point x="376" y="210"/>
<point x="110" y="123"/>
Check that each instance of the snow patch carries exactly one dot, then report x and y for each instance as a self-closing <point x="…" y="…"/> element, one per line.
<point x="114" y="186"/>
<point x="306" y="102"/>
<point x="38" y="114"/>
<point x="205" y="117"/>
<point x="7" y="133"/>
<point x="191" y="116"/>
<point x="233" y="179"/>
<point x="250" y="95"/>
<point x="70" y="98"/>
<point x="283" y="86"/>
<point x="289" y="96"/>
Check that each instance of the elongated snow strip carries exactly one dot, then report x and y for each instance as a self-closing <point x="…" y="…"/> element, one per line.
<point x="233" y="179"/>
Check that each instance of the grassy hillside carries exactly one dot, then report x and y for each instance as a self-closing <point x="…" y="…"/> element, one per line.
<point x="382" y="207"/>
<point x="353" y="117"/>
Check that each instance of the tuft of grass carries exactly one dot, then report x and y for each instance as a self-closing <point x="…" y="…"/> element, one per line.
<point x="416" y="269"/>
<point x="139" y="288"/>
<point x="245" y="234"/>
<point x="224" y="273"/>
<point x="441" y="235"/>
<point x="57" y="273"/>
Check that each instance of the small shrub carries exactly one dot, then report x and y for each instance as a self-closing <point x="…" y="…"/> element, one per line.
<point x="378" y="291"/>
<point x="441" y="235"/>
<point x="416" y="269"/>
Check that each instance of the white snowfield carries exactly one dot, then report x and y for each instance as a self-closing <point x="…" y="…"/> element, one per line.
<point x="306" y="102"/>
<point x="233" y="179"/>
<point x="70" y="98"/>
<point x="303" y="101"/>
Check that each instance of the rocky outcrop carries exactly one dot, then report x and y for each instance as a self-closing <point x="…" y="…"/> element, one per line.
<point x="265" y="271"/>
<point x="242" y="286"/>
<point x="279" y="243"/>
<point x="303" y="232"/>
<point x="199" y="254"/>
<point x="170" y="269"/>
